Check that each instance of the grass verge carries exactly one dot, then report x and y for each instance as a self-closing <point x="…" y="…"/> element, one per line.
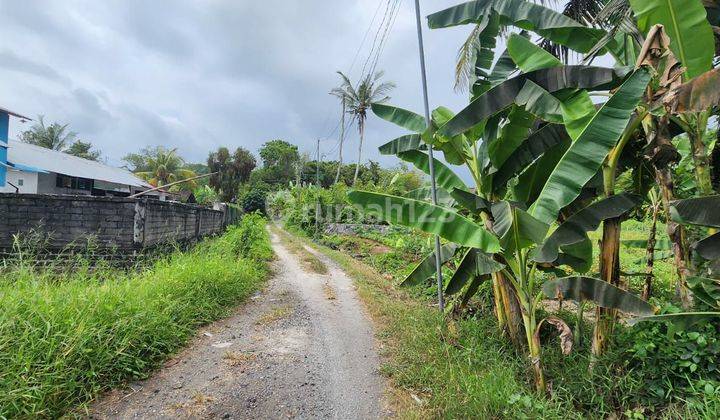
<point x="64" y="338"/>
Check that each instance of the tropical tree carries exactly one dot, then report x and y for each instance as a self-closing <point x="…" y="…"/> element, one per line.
<point x="280" y="160"/>
<point x="84" y="150"/>
<point x="58" y="137"/>
<point x="53" y="136"/>
<point x="357" y="101"/>
<point x="160" y="166"/>
<point x="230" y="171"/>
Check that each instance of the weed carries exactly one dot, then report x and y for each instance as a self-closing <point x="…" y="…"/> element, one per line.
<point x="274" y="315"/>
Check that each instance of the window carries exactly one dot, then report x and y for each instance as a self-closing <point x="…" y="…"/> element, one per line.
<point x="21" y="182"/>
<point x="64" y="181"/>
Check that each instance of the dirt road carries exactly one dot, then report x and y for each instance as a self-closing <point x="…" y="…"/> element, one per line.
<point x="303" y="348"/>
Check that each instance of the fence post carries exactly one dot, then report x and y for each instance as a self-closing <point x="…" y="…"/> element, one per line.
<point x="198" y="216"/>
<point x="139" y="223"/>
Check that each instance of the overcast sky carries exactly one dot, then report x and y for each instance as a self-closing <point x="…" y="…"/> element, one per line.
<point x="199" y="74"/>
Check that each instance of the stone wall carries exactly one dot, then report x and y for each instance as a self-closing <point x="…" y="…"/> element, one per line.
<point x="63" y="220"/>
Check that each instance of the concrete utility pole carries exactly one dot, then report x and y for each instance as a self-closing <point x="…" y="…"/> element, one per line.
<point x="433" y="187"/>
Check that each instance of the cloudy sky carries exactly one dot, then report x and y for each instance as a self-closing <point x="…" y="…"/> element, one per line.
<point x="199" y="74"/>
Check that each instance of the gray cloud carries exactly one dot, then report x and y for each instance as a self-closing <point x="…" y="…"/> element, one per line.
<point x="200" y="74"/>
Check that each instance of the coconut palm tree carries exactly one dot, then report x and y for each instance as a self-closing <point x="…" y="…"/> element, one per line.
<point x="163" y="167"/>
<point x="53" y="136"/>
<point x="357" y="101"/>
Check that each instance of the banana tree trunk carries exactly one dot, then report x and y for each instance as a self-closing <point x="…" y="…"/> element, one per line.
<point x="650" y="254"/>
<point x="507" y="305"/>
<point x="361" y="128"/>
<point x="342" y="140"/>
<point x="533" y="341"/>
<point x="676" y="234"/>
<point x="610" y="272"/>
<point x="510" y="308"/>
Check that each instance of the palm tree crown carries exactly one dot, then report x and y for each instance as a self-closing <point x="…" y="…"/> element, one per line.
<point x="357" y="100"/>
<point x="164" y="167"/>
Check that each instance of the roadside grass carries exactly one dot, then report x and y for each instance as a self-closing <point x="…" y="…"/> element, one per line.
<point x="66" y="337"/>
<point x="465" y="371"/>
<point x="309" y="261"/>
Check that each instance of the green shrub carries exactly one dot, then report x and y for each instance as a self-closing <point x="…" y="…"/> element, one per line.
<point x="65" y="339"/>
<point x="254" y="199"/>
<point x="675" y="365"/>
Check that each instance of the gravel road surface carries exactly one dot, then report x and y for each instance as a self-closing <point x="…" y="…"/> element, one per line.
<point x="302" y="348"/>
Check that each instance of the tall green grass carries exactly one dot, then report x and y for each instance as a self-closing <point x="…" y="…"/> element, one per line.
<point x="66" y="337"/>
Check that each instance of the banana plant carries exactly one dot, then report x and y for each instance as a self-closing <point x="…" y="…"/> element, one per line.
<point x="598" y="137"/>
<point x="505" y="237"/>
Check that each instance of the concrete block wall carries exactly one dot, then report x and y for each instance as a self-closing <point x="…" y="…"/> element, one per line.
<point x="63" y="220"/>
<point x="111" y="222"/>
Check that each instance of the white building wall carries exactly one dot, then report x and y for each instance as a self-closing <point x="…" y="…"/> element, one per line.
<point x="29" y="181"/>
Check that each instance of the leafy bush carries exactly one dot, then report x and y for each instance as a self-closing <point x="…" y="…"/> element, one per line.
<point x="253" y="200"/>
<point x="65" y="339"/>
<point x="205" y="195"/>
<point x="674" y="364"/>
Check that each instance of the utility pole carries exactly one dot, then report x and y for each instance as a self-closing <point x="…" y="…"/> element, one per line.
<point x="317" y="184"/>
<point x="433" y="187"/>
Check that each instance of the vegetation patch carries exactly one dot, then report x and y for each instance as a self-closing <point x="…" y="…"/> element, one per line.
<point x="274" y="315"/>
<point x="66" y="337"/>
<point x="308" y="260"/>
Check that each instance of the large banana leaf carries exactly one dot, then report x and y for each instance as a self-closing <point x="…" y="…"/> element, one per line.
<point x="426" y="268"/>
<point x="516" y="228"/>
<point x="472" y="202"/>
<point x="697" y="95"/>
<point x="708" y="248"/>
<point x="526" y="15"/>
<point x="602" y="293"/>
<point x="531" y="181"/>
<point x="504" y="94"/>
<point x="540" y="103"/>
<point x="402" y="117"/>
<point x="577" y="111"/>
<point x="402" y="144"/>
<point x="451" y="147"/>
<point x="577" y="255"/>
<point x="512" y="135"/>
<point x="574" y="229"/>
<point x="426" y="217"/>
<point x="585" y="156"/>
<point x="685" y="22"/>
<point x="528" y="56"/>
<point x="473" y="264"/>
<point x="425" y="194"/>
<point x="444" y="176"/>
<point x="702" y="211"/>
<point x="503" y="68"/>
<point x="536" y="144"/>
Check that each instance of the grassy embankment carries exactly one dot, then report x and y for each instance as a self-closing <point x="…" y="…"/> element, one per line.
<point x="467" y="369"/>
<point x="67" y="336"/>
